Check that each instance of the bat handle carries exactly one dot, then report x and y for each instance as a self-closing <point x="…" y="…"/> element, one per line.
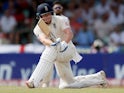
<point x="52" y="36"/>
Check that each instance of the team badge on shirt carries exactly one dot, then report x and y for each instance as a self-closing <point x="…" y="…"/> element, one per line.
<point x="66" y="23"/>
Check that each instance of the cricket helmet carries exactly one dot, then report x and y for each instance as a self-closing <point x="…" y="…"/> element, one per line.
<point x="43" y="9"/>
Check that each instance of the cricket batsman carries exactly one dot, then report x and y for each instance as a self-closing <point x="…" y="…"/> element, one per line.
<point x="57" y="10"/>
<point x="59" y="51"/>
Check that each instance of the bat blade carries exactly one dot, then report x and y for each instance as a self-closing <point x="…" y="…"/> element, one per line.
<point x="44" y="27"/>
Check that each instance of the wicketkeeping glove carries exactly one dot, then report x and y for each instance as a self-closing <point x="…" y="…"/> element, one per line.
<point x="58" y="40"/>
<point x="63" y="46"/>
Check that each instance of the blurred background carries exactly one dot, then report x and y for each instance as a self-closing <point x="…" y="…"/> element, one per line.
<point x="98" y="27"/>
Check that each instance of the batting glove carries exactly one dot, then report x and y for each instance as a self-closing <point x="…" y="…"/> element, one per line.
<point x="63" y="46"/>
<point x="58" y="40"/>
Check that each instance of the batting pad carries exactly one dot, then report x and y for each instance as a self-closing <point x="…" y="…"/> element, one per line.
<point x="40" y="72"/>
<point x="44" y="66"/>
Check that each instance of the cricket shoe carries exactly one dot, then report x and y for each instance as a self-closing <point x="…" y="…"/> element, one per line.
<point x="105" y="83"/>
<point x="30" y="84"/>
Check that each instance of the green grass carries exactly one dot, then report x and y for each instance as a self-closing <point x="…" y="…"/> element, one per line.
<point x="10" y="89"/>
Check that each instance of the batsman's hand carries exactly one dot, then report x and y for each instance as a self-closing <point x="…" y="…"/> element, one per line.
<point x="58" y="40"/>
<point x="63" y="46"/>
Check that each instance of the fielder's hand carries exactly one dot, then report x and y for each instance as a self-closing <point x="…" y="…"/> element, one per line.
<point x="58" y="40"/>
<point x="63" y="46"/>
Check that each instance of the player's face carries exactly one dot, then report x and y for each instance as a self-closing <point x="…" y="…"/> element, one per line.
<point x="57" y="9"/>
<point x="47" y="18"/>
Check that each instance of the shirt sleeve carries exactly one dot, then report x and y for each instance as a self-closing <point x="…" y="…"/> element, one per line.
<point x="65" y="23"/>
<point x="37" y="31"/>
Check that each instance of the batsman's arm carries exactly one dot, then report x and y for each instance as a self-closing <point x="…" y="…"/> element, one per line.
<point x="68" y="35"/>
<point x="67" y="38"/>
<point x="45" y="40"/>
<point x="42" y="37"/>
<point x="65" y="26"/>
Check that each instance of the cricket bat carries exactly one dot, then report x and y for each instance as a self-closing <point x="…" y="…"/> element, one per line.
<point x="45" y="29"/>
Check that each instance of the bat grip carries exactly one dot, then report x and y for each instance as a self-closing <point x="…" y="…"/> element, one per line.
<point x="52" y="36"/>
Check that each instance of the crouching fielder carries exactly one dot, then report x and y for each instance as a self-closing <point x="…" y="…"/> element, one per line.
<point x="60" y="51"/>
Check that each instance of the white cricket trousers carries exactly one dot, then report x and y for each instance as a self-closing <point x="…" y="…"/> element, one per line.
<point x="44" y="66"/>
<point x="47" y="59"/>
<point x="67" y="80"/>
<point x="62" y="65"/>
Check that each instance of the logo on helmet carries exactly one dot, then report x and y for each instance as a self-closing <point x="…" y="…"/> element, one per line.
<point x="46" y="8"/>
